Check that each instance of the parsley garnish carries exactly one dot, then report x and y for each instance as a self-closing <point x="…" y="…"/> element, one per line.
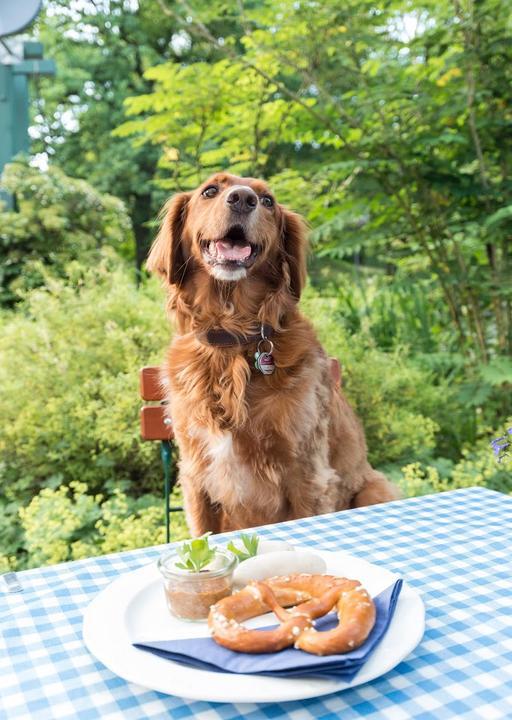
<point x="195" y="554"/>
<point x="250" y="543"/>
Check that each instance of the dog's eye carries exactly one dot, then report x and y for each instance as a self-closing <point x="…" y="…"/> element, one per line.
<point x="210" y="191"/>
<point x="267" y="201"/>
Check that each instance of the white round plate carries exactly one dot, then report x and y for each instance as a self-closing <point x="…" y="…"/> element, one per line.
<point x="132" y="608"/>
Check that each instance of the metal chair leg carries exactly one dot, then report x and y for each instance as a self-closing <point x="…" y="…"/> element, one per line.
<point x="166" y="455"/>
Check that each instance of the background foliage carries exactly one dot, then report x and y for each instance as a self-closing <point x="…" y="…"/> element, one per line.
<point x="57" y="219"/>
<point x="387" y="124"/>
<point x="395" y="116"/>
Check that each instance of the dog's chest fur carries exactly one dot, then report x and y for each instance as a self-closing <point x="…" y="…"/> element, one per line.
<point x="250" y="465"/>
<point x="228" y="478"/>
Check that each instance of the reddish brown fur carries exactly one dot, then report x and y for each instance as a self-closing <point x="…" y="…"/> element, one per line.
<point x="254" y="449"/>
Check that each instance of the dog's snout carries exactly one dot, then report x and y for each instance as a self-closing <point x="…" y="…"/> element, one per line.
<point x="241" y="199"/>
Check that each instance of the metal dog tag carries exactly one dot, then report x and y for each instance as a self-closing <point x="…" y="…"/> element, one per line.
<point x="264" y="362"/>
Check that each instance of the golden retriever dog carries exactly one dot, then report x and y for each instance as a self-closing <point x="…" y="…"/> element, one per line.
<point x="266" y="440"/>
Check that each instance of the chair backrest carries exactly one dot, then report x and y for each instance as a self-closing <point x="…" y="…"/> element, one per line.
<point x="154" y="425"/>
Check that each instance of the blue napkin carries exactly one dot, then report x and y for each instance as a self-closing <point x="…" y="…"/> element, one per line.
<point x="205" y="654"/>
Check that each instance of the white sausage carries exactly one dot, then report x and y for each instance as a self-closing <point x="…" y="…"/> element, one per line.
<point x="267" y="546"/>
<point x="277" y="563"/>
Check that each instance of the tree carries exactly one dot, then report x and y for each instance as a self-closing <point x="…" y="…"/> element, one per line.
<point x="394" y="117"/>
<point x="57" y="219"/>
<point x="101" y="50"/>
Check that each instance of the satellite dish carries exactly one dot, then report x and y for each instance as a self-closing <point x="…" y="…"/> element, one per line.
<point x="15" y="15"/>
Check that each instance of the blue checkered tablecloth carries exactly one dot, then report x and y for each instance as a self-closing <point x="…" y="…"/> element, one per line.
<point x="454" y="548"/>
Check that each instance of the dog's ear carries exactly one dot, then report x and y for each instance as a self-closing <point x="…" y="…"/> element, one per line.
<point x="295" y="244"/>
<point x="167" y="256"/>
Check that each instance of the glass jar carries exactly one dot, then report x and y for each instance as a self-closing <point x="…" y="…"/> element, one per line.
<point x="189" y="595"/>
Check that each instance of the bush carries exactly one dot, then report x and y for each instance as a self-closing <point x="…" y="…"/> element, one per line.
<point x="71" y="454"/>
<point x="69" y="362"/>
<point x="397" y="401"/>
<point x="478" y="466"/>
<point x="403" y="317"/>
<point x="69" y="372"/>
<point x="57" y="219"/>
<point x="69" y="524"/>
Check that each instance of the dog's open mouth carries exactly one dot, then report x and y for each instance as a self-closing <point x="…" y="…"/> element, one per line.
<point x="232" y="251"/>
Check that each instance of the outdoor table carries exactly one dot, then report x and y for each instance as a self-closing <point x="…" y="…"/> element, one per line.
<point x="453" y="548"/>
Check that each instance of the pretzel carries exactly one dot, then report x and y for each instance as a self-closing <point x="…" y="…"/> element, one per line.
<point x="311" y="597"/>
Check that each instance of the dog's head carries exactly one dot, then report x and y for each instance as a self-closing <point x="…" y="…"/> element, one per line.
<point x="233" y="229"/>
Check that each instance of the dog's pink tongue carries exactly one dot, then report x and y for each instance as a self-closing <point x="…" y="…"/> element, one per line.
<point x="228" y="251"/>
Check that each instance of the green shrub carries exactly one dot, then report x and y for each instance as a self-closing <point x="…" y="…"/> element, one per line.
<point x="57" y="219"/>
<point x="71" y="454"/>
<point x="69" y="372"/>
<point x="53" y="520"/>
<point x="397" y="401"/>
<point x="478" y="466"/>
<point x="403" y="316"/>
<point x="69" y="362"/>
<point x="69" y="524"/>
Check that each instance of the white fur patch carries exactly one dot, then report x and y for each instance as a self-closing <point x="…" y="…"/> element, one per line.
<point x="309" y="410"/>
<point x="229" y="480"/>
<point x="220" y="272"/>
<point x="220" y="447"/>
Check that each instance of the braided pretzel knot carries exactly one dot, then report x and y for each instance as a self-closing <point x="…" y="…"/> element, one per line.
<point x="312" y="596"/>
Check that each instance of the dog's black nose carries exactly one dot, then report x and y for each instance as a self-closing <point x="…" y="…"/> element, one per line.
<point x="241" y="199"/>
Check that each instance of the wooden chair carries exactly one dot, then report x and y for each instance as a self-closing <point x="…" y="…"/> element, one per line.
<point x="154" y="425"/>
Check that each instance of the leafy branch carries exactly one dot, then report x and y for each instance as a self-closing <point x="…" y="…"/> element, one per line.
<point x="202" y="30"/>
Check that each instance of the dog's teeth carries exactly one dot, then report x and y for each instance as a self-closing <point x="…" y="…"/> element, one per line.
<point x="212" y="248"/>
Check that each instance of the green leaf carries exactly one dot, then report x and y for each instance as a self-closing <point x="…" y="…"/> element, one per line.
<point x="504" y="213"/>
<point x="497" y="372"/>
<point x="250" y="543"/>
<point x="196" y="553"/>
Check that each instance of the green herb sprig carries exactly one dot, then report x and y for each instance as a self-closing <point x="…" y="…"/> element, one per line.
<point x="196" y="554"/>
<point x="250" y="543"/>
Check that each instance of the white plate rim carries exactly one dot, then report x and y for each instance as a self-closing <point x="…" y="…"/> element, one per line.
<point x="107" y="639"/>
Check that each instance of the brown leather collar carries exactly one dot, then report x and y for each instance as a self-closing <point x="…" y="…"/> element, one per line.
<point x="224" y="338"/>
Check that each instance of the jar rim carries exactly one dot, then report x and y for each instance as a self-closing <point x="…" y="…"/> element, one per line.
<point x="163" y="562"/>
